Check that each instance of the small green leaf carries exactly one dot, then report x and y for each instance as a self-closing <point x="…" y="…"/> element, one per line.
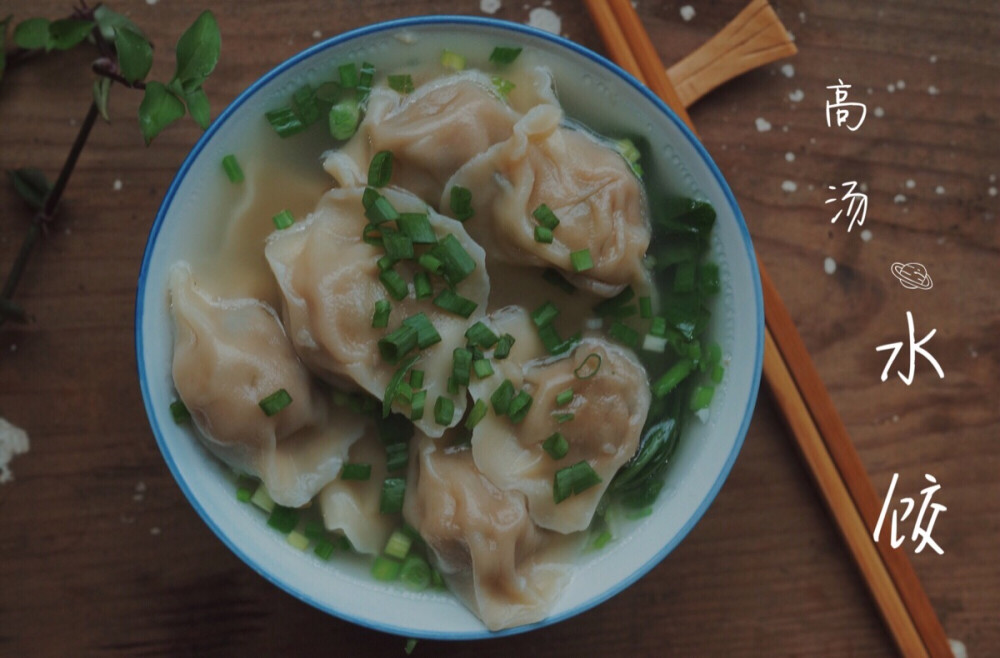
<point x="108" y="21"/>
<point x="68" y="32"/>
<point x="135" y="54"/>
<point x="31" y="185"/>
<point x="197" y="104"/>
<point x="32" y="33"/>
<point x="158" y="109"/>
<point x="3" y="44"/>
<point x="198" y="51"/>
<point x="102" y="89"/>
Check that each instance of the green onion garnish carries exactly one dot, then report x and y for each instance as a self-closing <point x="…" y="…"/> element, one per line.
<point x="545" y="217"/>
<point x="461" y="365"/>
<point x="404" y="392"/>
<point x="262" y="499"/>
<point x="298" y="540"/>
<point x="658" y="327"/>
<point x="573" y="480"/>
<point x="417" y="226"/>
<point x="380" y="169"/>
<point x="708" y="279"/>
<point x="552" y="276"/>
<point x="179" y="412"/>
<point x="402" y="83"/>
<point x="431" y="264"/>
<point x="717" y="374"/>
<point x="398" y="545"/>
<point x="355" y="471"/>
<point x="502" y="85"/>
<point x="391" y="500"/>
<point x="324" y="549"/>
<point x="454" y="303"/>
<point x="348" y="75"/>
<point x="343" y="118"/>
<point x="417" y="403"/>
<point x="543" y="235"/>
<point x="285" y="122"/>
<point x="564" y="397"/>
<point x="283" y="220"/>
<point x="398" y="246"/>
<point x="702" y="397"/>
<point x="477" y="413"/>
<point x="275" y="402"/>
<point x="305" y="105"/>
<point x="411" y="643"/>
<point x="398" y="343"/>
<point x="243" y="494"/>
<point x="365" y="79"/>
<point x="581" y="260"/>
<point x="415" y="575"/>
<point x="505" y="54"/>
<point x="503" y="347"/>
<point x="645" y="307"/>
<point x="232" y="169"/>
<point x="385" y="568"/>
<point x="380" y="319"/>
<point x="564" y="418"/>
<point x="461" y="203"/>
<point x="452" y="60"/>
<point x="481" y="335"/>
<point x="283" y="519"/>
<point x="422" y="285"/>
<point x="394" y="283"/>
<point x="372" y="234"/>
<point x="452" y="385"/>
<point x="519" y="407"/>
<point x="624" y="334"/>
<point x="589" y="367"/>
<point x="684" y="276"/>
<point x="601" y="540"/>
<point x="427" y="335"/>
<point x="544" y="314"/>
<point x="672" y="377"/>
<point x="556" y="445"/>
<point x="444" y="410"/>
<point x="315" y="529"/>
<point x="611" y="306"/>
<point x="502" y="397"/>
<point x="381" y="210"/>
<point x="385" y="263"/>
<point x="482" y="368"/>
<point x="417" y="379"/>
<point x="455" y="260"/>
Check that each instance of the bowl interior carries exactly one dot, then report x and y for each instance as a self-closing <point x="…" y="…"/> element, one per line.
<point x="592" y="91"/>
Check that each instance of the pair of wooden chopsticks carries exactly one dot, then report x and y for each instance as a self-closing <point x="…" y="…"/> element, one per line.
<point x="748" y="41"/>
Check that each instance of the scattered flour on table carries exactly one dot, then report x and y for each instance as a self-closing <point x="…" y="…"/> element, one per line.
<point x="866" y="236"/>
<point x="763" y="125"/>
<point x="958" y="648"/>
<point x="933" y="59"/>
<point x="545" y="19"/>
<point x="317" y="34"/>
<point x="788" y="71"/>
<point x="829" y="265"/>
<point x="117" y="185"/>
<point x="13" y="441"/>
<point x="992" y="191"/>
<point x="879" y="112"/>
<point x="933" y="91"/>
<point x="790" y="157"/>
<point x="899" y="198"/>
<point x="796" y="96"/>
<point x="900" y="84"/>
<point x="151" y="2"/>
<point x="789" y="186"/>
<point x="939" y="189"/>
<point x="154" y="531"/>
<point x="910" y="184"/>
<point x="890" y="87"/>
<point x="687" y="13"/>
<point x="489" y="6"/>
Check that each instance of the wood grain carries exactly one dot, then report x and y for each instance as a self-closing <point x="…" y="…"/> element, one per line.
<point x="763" y="573"/>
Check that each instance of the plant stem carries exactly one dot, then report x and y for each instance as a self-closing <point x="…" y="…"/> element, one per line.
<point x="44" y="216"/>
<point x="106" y="68"/>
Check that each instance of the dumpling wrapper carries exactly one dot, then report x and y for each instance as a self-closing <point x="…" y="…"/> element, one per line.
<point x="228" y="356"/>
<point x="329" y="281"/>
<point x="431" y="132"/>
<point x="493" y="557"/>
<point x="609" y="410"/>
<point x="588" y="185"/>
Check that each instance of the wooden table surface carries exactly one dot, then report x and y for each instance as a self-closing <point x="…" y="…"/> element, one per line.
<point x="101" y="555"/>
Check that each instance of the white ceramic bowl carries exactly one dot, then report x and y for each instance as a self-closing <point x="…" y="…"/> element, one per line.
<point x="594" y="91"/>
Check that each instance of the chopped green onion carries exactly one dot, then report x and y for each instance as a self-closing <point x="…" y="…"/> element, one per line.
<point x="543" y="235"/>
<point x="427" y="335"/>
<point x="502" y="85"/>
<point x="645" y="307"/>
<point x="431" y="264"/>
<point x="503" y="347"/>
<point x="385" y="568"/>
<point x="482" y="368"/>
<point x="243" y="494"/>
<point x="411" y="643"/>
<point x="717" y="374"/>
<point x="298" y="540"/>
<point x="398" y="343"/>
<point x="417" y="379"/>
<point x="461" y="365"/>
<point x="262" y="499"/>
<point x="348" y="75"/>
<point x="552" y="276"/>
<point x="417" y="403"/>
<point x="658" y="327"/>
<point x="502" y="397"/>
<point x="283" y="220"/>
<point x="422" y="285"/>
<point x="232" y="169"/>
<point x="477" y="413"/>
<point x="544" y="314"/>
<point x="285" y="122"/>
<point x="564" y="418"/>
<point x="381" y="211"/>
<point x="581" y="260"/>
<point x="394" y="284"/>
<point x="275" y="402"/>
<point x="481" y="335"/>
<point x="392" y="387"/>
<point x="653" y="343"/>
<point x="545" y="217"/>
<point x="305" y="105"/>
<point x="702" y="397"/>
<point x="179" y="412"/>
<point x="556" y="445"/>
<point x="505" y="54"/>
<point x="519" y="407"/>
<point x="401" y="83"/>
<point x="355" y="471"/>
<point x="573" y="479"/>
<point x="460" y="202"/>
<point x="380" y="319"/>
<point x="641" y="513"/>
<point x="588" y="367"/>
<point x="610" y="306"/>
<point x="455" y="260"/>
<point x="454" y="303"/>
<point x="283" y="519"/>
<point x="436" y="579"/>
<point x="452" y="385"/>
<point x="564" y="397"/>
<point x="343" y="118"/>
<point x="624" y="334"/>
<point x="380" y="169"/>
<point x="672" y="377"/>
<point x="398" y="246"/>
<point x="324" y="549"/>
<point x="365" y="79"/>
<point x="315" y="529"/>
<point x="601" y="540"/>
<point x="452" y="60"/>
<point x="415" y="575"/>
<point x="553" y="343"/>
<point x="385" y="263"/>
<point x="417" y="227"/>
<point x="708" y="279"/>
<point x="391" y="500"/>
<point x="684" y="277"/>
<point x="444" y="410"/>
<point x="398" y="545"/>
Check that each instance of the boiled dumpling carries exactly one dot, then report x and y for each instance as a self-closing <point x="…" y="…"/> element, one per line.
<point x="329" y="280"/>
<point x="228" y="356"/>
<point x="497" y="561"/>
<point x="431" y="132"/>
<point x="588" y="185"/>
<point x="609" y="410"/>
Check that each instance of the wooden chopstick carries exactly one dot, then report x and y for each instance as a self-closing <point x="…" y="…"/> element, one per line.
<point x="804" y="401"/>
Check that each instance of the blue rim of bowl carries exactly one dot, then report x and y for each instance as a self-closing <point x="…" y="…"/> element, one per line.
<point x="477" y="22"/>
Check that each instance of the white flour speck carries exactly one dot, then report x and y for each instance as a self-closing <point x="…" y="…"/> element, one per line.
<point x="829" y="265"/>
<point x="939" y="189"/>
<point x="788" y="71"/>
<point x="117" y="185"/>
<point x="545" y="19"/>
<point x="13" y="347"/>
<point x="933" y="91"/>
<point x="866" y="236"/>
<point x="789" y="186"/>
<point x="13" y="441"/>
<point x="933" y="59"/>
<point x="317" y="34"/>
<point x="958" y="648"/>
<point x="687" y="13"/>
<point x="789" y="157"/>
<point x="900" y="84"/>
<point x="791" y="37"/>
<point x="895" y="418"/>
<point x="899" y="198"/>
<point x="489" y="6"/>
<point x="796" y="96"/>
<point x="993" y="178"/>
<point x="140" y="486"/>
<point x="151" y="2"/>
<point x="879" y="112"/>
<point x="993" y="190"/>
<point x="763" y="125"/>
<point x="802" y="17"/>
<point x="864" y="187"/>
<point x="154" y="531"/>
<point x="910" y="183"/>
